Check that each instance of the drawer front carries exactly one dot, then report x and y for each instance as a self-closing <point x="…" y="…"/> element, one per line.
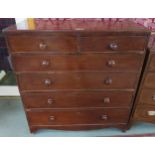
<point x="35" y="43"/>
<point x="113" y="43"/>
<point x="149" y="81"/>
<point x="147" y="97"/>
<point x="78" y="99"/>
<point x="95" y="116"/>
<point x="77" y="80"/>
<point x="152" y="62"/>
<point x="146" y="113"/>
<point x="105" y="62"/>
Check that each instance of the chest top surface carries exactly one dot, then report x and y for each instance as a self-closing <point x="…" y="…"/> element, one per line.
<point x="81" y="26"/>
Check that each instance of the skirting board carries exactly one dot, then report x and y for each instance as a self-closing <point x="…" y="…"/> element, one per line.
<point x="9" y="91"/>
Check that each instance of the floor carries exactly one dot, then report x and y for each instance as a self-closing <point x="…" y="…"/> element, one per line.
<point x="13" y="124"/>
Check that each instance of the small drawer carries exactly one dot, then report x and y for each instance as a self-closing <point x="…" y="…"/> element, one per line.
<point x="103" y="62"/>
<point x="112" y="43"/>
<point x="68" y="117"/>
<point x="149" y="81"/>
<point x="42" y="43"/>
<point x="152" y="63"/>
<point x="147" y="97"/>
<point x="145" y="113"/>
<point x="77" y="80"/>
<point x="72" y="99"/>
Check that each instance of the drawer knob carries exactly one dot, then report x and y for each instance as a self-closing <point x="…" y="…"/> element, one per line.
<point x="42" y="46"/>
<point x="45" y="63"/>
<point x="108" y="81"/>
<point x="47" y="82"/>
<point x="153" y="97"/>
<point x="104" y="117"/>
<point x="50" y="101"/>
<point x="106" y="100"/>
<point x="51" y="118"/>
<point x="113" y="46"/>
<point x="111" y="63"/>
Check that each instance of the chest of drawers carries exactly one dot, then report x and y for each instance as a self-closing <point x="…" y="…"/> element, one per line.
<point x="145" y="101"/>
<point x="75" y="78"/>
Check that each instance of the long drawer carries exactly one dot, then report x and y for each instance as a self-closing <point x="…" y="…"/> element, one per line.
<point x="77" y="80"/>
<point x="104" y="62"/>
<point x="149" y="81"/>
<point x="151" y="66"/>
<point x="78" y="99"/>
<point x="66" y="42"/>
<point x="95" y="116"/>
<point x="145" y="113"/>
<point x="147" y="97"/>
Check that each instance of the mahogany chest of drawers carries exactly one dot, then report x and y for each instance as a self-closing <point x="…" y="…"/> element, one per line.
<point x="145" y="101"/>
<point x="76" y="78"/>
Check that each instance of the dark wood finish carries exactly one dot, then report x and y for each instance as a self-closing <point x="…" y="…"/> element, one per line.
<point x="95" y="116"/>
<point x="145" y="101"/>
<point x="149" y="81"/>
<point x="77" y="80"/>
<point x="147" y="97"/>
<point x="43" y="43"/>
<point x="145" y="114"/>
<point x="78" y="99"/>
<point x="76" y="77"/>
<point x="152" y="63"/>
<point x="72" y="43"/>
<point x="121" y="43"/>
<point x="102" y="62"/>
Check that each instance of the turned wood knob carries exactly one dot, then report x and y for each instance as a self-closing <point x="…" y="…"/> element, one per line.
<point x="42" y="46"/>
<point x="113" y="46"/>
<point x="104" y="117"/>
<point x="108" y="81"/>
<point x="111" y="63"/>
<point x="50" y="101"/>
<point x="51" y="118"/>
<point x="153" y="97"/>
<point x="47" y="82"/>
<point x="45" y="63"/>
<point x="106" y="100"/>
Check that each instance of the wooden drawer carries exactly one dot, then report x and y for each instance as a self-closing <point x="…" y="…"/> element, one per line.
<point x="71" y="99"/>
<point x="145" y="113"/>
<point x="69" y="43"/>
<point x="147" y="97"/>
<point x="40" y="42"/>
<point x="152" y="63"/>
<point x="94" y="116"/>
<point x="112" y="43"/>
<point x="105" y="62"/>
<point x="77" y="80"/>
<point x="149" y="81"/>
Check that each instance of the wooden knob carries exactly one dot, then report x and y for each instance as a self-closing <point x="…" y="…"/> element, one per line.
<point x="113" y="46"/>
<point x="45" y="63"/>
<point x="42" y="46"/>
<point x="108" y="81"/>
<point x="111" y="63"/>
<point x="153" y="97"/>
<point x="104" y="117"/>
<point x="51" y="118"/>
<point x="106" y="100"/>
<point x="49" y="101"/>
<point x="47" y="82"/>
